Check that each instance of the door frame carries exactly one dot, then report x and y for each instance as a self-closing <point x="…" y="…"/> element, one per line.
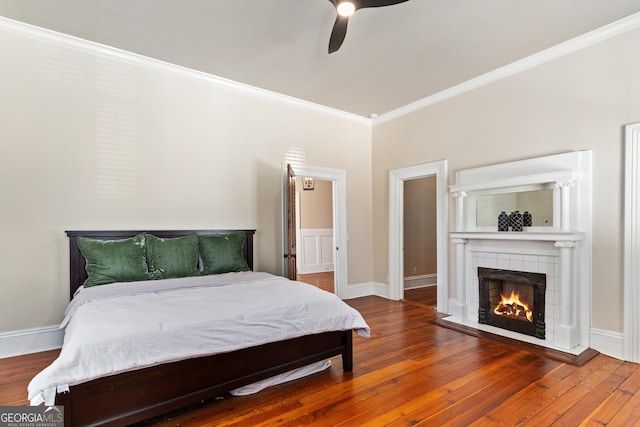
<point x="397" y="177"/>
<point x="631" y="334"/>
<point x="338" y="180"/>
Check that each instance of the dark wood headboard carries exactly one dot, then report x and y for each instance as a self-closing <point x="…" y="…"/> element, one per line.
<point x="78" y="273"/>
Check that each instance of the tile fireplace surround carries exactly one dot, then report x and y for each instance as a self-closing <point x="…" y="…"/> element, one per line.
<point x="561" y="251"/>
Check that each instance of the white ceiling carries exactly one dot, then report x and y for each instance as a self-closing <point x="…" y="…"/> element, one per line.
<point x="392" y="56"/>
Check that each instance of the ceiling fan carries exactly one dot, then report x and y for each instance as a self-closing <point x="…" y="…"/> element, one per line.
<point x="347" y="8"/>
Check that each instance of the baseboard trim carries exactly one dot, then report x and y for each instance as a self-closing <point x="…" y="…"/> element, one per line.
<point x="358" y="290"/>
<point x="26" y="341"/>
<point x="381" y="290"/>
<point x="607" y="342"/>
<point x="311" y="270"/>
<point x="421" y="281"/>
<point x="366" y="289"/>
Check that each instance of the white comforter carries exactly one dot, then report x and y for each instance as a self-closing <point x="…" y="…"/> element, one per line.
<point x="125" y="326"/>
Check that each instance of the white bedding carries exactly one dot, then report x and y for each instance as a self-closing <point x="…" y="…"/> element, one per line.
<point x="125" y="326"/>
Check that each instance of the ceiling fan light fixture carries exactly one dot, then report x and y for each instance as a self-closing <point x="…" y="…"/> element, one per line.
<point x="346" y="8"/>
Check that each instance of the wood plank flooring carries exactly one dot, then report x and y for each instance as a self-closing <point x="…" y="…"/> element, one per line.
<point x="427" y="295"/>
<point x="413" y="372"/>
<point x="322" y="280"/>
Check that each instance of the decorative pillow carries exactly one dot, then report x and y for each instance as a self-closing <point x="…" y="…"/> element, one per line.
<point x="222" y="254"/>
<point x="174" y="257"/>
<point x="110" y="261"/>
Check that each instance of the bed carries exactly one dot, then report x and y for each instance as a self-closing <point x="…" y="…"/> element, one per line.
<point x="142" y="392"/>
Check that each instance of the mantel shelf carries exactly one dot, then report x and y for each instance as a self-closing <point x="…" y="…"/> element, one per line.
<point x="544" y="236"/>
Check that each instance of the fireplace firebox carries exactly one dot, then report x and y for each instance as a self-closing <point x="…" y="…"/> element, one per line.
<point x="512" y="300"/>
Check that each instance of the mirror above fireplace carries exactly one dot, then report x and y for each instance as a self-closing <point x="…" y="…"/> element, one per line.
<point x="546" y="196"/>
<point x="538" y="203"/>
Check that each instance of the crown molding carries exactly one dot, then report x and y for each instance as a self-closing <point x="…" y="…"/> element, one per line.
<point x="76" y="43"/>
<point x="606" y="32"/>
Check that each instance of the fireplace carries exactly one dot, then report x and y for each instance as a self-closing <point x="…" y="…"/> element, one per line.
<point x="512" y="300"/>
<point x="558" y="250"/>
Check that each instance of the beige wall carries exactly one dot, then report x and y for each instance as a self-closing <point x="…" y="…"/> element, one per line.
<point x="90" y="142"/>
<point x="420" y="240"/>
<point x="577" y="102"/>
<point x="316" y="207"/>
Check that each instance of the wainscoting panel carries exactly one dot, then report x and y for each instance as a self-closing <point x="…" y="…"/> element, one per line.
<point x="315" y="250"/>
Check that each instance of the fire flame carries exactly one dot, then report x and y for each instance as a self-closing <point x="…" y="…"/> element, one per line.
<point x="512" y="307"/>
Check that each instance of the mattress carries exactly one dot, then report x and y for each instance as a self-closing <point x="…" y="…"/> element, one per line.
<point x="120" y="327"/>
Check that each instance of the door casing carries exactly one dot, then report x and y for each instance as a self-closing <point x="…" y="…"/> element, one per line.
<point x="397" y="177"/>
<point x="338" y="180"/>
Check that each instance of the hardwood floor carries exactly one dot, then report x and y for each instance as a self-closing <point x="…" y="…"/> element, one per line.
<point x="413" y="372"/>
<point x="427" y="295"/>
<point x="322" y="280"/>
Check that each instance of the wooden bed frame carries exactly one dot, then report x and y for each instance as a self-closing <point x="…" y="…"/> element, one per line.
<point x="134" y="396"/>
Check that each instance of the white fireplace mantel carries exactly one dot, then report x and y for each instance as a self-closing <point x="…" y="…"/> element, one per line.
<point x="561" y="252"/>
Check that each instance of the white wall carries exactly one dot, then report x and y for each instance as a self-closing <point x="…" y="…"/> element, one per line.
<point x="90" y="140"/>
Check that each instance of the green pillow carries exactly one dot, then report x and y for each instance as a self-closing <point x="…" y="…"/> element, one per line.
<point x="111" y="261"/>
<point x="175" y="257"/>
<point x="222" y="254"/>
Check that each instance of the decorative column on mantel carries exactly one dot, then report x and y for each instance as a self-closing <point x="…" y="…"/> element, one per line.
<point x="459" y="196"/>
<point x="565" y="202"/>
<point x="459" y="309"/>
<point x="566" y="333"/>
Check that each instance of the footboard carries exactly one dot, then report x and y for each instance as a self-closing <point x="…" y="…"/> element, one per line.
<point x="134" y="396"/>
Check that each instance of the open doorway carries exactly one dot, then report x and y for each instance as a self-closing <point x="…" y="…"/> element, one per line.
<point x="314" y="232"/>
<point x="337" y="180"/>
<point x="397" y="178"/>
<point x="420" y="241"/>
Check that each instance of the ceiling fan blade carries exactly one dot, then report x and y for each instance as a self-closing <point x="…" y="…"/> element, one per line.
<point x="377" y="3"/>
<point x="340" y="27"/>
<point x="338" y="33"/>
